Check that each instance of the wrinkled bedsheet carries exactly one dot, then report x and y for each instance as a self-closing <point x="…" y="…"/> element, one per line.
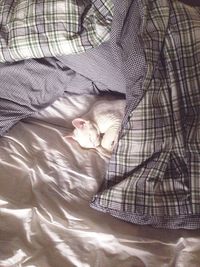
<point x="46" y="184"/>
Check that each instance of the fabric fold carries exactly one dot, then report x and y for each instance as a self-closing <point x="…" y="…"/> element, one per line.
<point x="154" y="172"/>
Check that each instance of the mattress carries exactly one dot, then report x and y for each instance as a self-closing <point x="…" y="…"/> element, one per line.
<point x="46" y="185"/>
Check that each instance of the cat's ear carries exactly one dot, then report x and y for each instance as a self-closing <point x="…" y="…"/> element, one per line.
<point x="79" y="123"/>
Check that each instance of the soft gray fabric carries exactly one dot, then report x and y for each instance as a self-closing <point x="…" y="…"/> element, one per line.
<point x="100" y="66"/>
<point x="28" y="86"/>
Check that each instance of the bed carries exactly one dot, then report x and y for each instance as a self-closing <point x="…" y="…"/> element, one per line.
<point x="61" y="205"/>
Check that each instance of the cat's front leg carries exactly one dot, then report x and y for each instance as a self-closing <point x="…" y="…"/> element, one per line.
<point x="110" y="138"/>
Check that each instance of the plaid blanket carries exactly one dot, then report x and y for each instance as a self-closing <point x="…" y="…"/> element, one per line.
<point x="36" y="29"/>
<point x="154" y="174"/>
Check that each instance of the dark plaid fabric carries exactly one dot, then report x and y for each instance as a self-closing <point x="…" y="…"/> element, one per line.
<point x="154" y="174"/>
<point x="36" y="29"/>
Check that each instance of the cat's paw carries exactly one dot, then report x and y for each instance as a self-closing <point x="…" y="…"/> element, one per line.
<point x="108" y="144"/>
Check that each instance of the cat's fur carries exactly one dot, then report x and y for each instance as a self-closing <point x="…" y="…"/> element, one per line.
<point x="100" y="126"/>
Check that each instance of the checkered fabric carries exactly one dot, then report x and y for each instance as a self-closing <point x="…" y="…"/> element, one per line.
<point x="154" y="174"/>
<point x="36" y="29"/>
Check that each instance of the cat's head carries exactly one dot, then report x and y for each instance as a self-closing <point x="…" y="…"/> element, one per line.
<point x="86" y="133"/>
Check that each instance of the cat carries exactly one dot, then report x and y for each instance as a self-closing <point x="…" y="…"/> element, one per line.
<point x="99" y="128"/>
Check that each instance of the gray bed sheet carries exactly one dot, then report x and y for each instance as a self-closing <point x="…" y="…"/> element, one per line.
<point x="46" y="184"/>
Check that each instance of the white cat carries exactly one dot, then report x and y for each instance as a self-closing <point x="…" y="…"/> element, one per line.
<point x="100" y="126"/>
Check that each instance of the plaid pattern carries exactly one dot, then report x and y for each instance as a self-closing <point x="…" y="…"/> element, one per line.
<point x="35" y="29"/>
<point x="154" y="174"/>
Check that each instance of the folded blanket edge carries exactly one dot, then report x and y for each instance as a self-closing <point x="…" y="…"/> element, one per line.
<point x="187" y="221"/>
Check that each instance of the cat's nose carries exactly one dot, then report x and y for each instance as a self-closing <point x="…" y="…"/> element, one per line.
<point x="101" y="135"/>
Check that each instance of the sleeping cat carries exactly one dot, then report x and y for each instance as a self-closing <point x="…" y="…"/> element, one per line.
<point x="100" y="126"/>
